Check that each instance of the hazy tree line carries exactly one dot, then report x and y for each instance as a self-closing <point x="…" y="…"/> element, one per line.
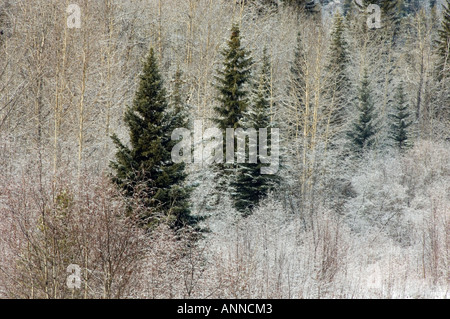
<point x="86" y="118"/>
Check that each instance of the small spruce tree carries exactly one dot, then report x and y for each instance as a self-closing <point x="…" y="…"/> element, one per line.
<point x="338" y="63"/>
<point x="400" y="120"/>
<point x="297" y="81"/>
<point x="364" y="130"/>
<point x="178" y="115"/>
<point x="297" y="87"/>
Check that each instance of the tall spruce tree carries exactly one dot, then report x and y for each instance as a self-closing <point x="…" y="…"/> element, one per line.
<point x="145" y="168"/>
<point x="250" y="186"/>
<point x="364" y="130"/>
<point x="400" y="120"/>
<point x="338" y="63"/>
<point x="443" y="45"/>
<point x="233" y="80"/>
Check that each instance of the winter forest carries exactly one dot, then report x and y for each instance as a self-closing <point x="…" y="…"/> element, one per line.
<point x="98" y="97"/>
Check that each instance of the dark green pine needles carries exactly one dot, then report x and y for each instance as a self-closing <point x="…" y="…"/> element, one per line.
<point x="145" y="170"/>
<point x="232" y="94"/>
<point x="250" y="186"/>
<point x="400" y="120"/>
<point x="338" y="62"/>
<point x="232" y="80"/>
<point x="364" y="129"/>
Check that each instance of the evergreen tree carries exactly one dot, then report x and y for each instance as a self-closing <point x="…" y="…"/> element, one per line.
<point x="233" y="96"/>
<point x="177" y="96"/>
<point x="443" y="45"/>
<point x="338" y="62"/>
<point x="178" y="116"/>
<point x="364" y="129"/>
<point x="250" y="185"/>
<point x="232" y="82"/>
<point x="400" y="119"/>
<point x="145" y="169"/>
<point x="296" y="90"/>
<point x="265" y="77"/>
<point x="297" y="82"/>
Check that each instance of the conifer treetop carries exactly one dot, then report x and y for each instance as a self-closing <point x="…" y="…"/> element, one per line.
<point x="232" y="81"/>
